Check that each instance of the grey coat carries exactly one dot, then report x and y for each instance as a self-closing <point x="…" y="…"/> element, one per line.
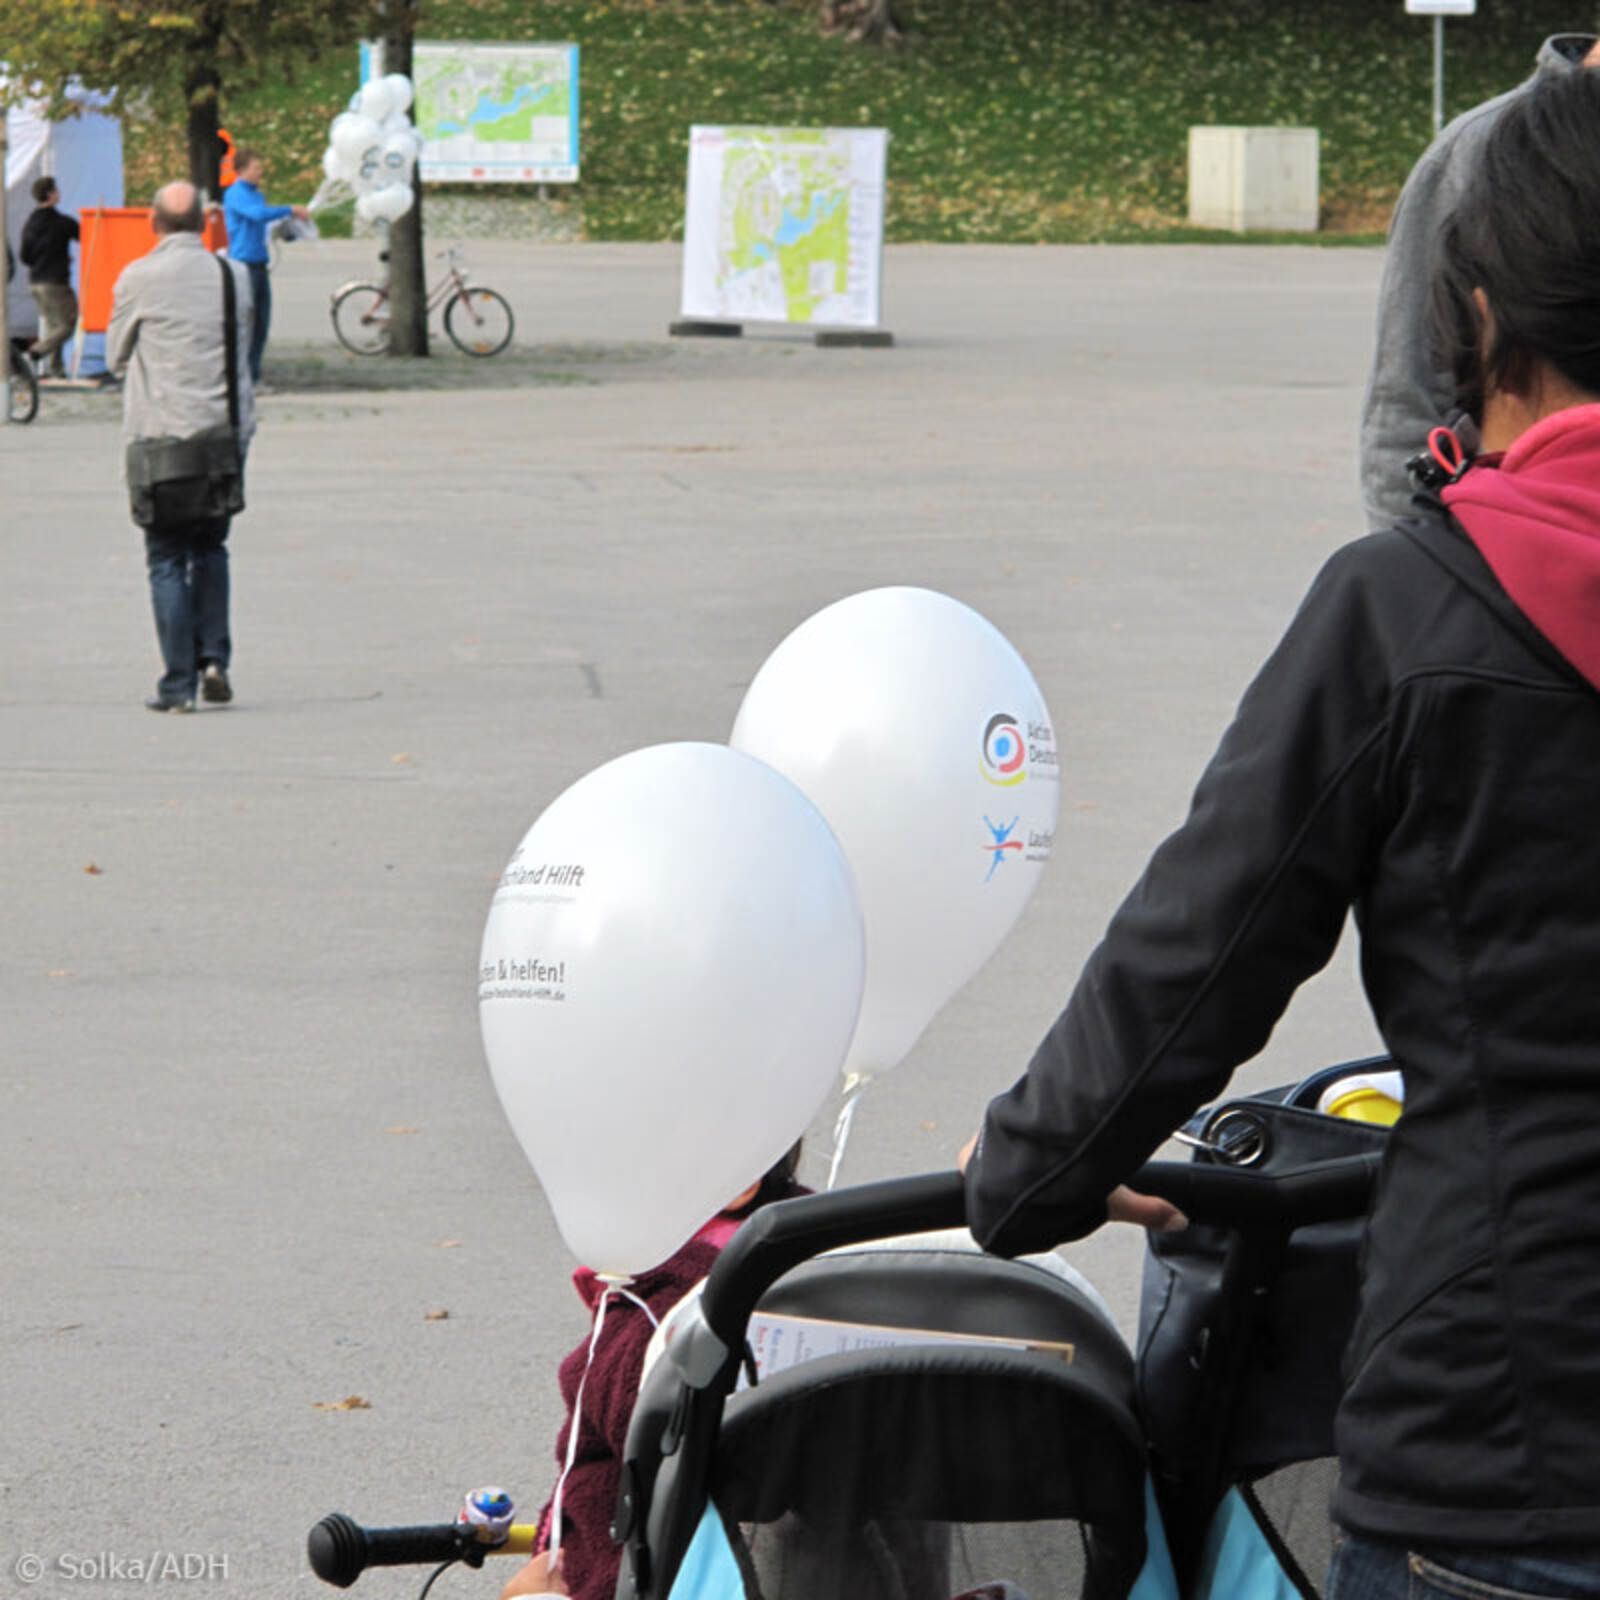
<point x="166" y="340"/>
<point x="1408" y="392"/>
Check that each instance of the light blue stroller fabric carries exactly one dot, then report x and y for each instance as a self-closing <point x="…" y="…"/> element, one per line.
<point x="709" y="1570"/>
<point x="1237" y="1562"/>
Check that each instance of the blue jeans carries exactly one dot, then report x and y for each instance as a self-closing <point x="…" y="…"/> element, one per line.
<point x="1364" y="1569"/>
<point x="189" y="591"/>
<point x="261" y="293"/>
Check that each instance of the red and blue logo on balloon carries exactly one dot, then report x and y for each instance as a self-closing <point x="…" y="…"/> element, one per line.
<point x="1001" y="834"/>
<point x="1005" y="754"/>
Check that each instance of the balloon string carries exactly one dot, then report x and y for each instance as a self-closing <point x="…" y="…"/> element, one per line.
<point x="613" y="1286"/>
<point x="841" y="1129"/>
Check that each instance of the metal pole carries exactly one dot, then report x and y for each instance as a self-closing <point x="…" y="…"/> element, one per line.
<point x="5" y="291"/>
<point x="1438" y="73"/>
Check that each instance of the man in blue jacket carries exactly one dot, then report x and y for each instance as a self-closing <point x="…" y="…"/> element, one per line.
<point x="248" y="216"/>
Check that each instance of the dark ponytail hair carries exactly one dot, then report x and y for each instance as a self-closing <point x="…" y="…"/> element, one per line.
<point x="1526" y="231"/>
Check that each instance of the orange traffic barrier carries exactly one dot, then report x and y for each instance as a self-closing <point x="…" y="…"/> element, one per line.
<point x="109" y="238"/>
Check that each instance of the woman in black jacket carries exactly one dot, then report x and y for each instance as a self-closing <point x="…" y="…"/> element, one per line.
<point x="1422" y="747"/>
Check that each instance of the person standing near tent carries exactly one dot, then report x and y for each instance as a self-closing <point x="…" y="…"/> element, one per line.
<point x="248" y="216"/>
<point x="46" y="245"/>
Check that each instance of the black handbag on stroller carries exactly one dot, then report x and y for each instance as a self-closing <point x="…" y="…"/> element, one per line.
<point x="1241" y="1341"/>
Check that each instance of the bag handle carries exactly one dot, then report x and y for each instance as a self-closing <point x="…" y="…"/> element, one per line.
<point x="230" y="341"/>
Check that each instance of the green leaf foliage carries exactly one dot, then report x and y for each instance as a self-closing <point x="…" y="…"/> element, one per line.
<point x="1011" y="120"/>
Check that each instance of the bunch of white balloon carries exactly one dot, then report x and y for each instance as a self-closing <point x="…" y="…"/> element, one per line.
<point x="693" y="940"/>
<point x="373" y="149"/>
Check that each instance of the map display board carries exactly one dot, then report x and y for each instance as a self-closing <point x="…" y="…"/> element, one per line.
<point x="785" y="225"/>
<point x="497" y="113"/>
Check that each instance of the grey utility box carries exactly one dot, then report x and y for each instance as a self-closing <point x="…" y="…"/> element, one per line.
<point x="1246" y="179"/>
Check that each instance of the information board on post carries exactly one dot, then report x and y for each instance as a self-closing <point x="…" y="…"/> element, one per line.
<point x="785" y="225"/>
<point x="497" y="113"/>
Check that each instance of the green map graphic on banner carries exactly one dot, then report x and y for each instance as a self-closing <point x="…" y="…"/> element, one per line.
<point x="497" y="113"/>
<point x="784" y="224"/>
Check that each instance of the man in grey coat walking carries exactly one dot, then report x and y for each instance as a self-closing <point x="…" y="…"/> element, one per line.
<point x="166" y="338"/>
<point x="1410" y="389"/>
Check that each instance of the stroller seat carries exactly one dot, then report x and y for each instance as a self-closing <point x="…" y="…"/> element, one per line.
<point x="921" y="1471"/>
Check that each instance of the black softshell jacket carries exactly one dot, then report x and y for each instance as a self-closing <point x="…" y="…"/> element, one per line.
<point x="1416" y="750"/>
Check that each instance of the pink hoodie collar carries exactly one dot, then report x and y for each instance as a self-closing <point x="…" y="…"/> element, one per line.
<point x="1534" y="515"/>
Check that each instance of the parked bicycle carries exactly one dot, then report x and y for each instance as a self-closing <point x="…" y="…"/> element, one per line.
<point x="24" y="383"/>
<point x="477" y="319"/>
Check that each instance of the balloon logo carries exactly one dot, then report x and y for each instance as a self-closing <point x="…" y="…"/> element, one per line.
<point x="1004" y="751"/>
<point x="921" y="736"/>
<point x="669" y="979"/>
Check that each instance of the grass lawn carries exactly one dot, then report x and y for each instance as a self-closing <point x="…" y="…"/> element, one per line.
<point x="1012" y="121"/>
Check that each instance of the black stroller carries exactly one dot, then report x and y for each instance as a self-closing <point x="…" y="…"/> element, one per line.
<point x="982" y="1430"/>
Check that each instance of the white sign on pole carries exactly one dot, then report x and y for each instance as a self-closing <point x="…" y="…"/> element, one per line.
<point x="1441" y="8"/>
<point x="497" y="113"/>
<point x="785" y="225"/>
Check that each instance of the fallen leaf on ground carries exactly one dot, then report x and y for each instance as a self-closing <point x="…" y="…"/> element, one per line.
<point x="94" y="871"/>
<point x="400" y="1129"/>
<point x="436" y="1316"/>
<point x="449" y="1244"/>
<point x="59" y="972"/>
<point x="929" y="1127"/>
<point x="351" y="1402"/>
<point x="401" y="759"/>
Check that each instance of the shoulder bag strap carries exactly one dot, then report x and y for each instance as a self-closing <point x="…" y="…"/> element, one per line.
<point x="230" y="340"/>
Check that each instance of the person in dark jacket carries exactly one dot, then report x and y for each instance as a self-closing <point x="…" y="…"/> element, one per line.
<point x="1422" y="746"/>
<point x="45" y="246"/>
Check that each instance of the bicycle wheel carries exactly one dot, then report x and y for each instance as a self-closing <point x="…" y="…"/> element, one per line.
<point x="24" y="389"/>
<point x="361" y="318"/>
<point x="480" y="322"/>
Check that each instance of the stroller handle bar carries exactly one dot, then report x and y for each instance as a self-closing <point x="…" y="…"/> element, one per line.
<point x="779" y="1237"/>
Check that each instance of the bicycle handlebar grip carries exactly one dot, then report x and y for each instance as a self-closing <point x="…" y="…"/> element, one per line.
<point x="340" y="1549"/>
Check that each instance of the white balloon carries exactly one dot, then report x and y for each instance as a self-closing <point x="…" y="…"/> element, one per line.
<point x="386" y="203"/>
<point x="399" y="156"/>
<point x="331" y="167"/>
<point x="351" y="135"/>
<point x="377" y="99"/>
<point x="669" y="979"/>
<point x="400" y="91"/>
<point x="922" y="737"/>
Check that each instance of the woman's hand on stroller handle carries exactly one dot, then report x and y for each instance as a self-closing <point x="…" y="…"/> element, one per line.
<point x="1122" y="1204"/>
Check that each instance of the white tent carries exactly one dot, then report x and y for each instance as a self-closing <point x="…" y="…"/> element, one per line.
<point x="83" y="153"/>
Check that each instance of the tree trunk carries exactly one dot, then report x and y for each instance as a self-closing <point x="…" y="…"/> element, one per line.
<point x="870" y="21"/>
<point x="408" y="286"/>
<point x="202" y="83"/>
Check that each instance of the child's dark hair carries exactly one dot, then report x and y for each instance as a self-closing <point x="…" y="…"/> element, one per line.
<point x="43" y="188"/>
<point x="778" y="1182"/>
<point x="1524" y="232"/>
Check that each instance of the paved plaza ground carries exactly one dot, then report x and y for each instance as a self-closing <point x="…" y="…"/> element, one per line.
<point x="250" y="1142"/>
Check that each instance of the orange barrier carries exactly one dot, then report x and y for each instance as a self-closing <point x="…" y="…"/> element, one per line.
<point x="109" y="238"/>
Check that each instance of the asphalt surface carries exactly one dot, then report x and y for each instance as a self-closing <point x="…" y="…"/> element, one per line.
<point x="250" y="1142"/>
